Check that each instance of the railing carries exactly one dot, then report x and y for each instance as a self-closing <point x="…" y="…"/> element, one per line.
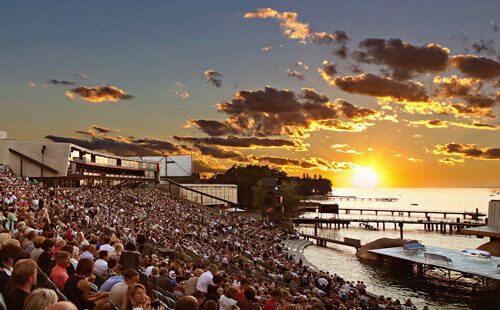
<point x="174" y="188"/>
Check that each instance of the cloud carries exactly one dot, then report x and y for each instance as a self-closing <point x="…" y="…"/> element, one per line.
<point x="463" y="110"/>
<point x="69" y="95"/>
<point x="476" y="66"/>
<point x="103" y="129"/>
<point x="341" y="52"/>
<point x="336" y="125"/>
<point x="262" y="13"/>
<point x="494" y="26"/>
<point x="451" y="161"/>
<point x="81" y="75"/>
<point x="352" y="112"/>
<point x="89" y="132"/>
<point x="313" y="163"/>
<point x="56" y="82"/>
<point x="202" y="166"/>
<point x="282" y="112"/>
<point x="295" y="74"/>
<point x="329" y="69"/>
<point x="338" y="37"/>
<point x="484" y="46"/>
<point x="372" y="85"/>
<point x="445" y="124"/>
<point x="268" y="48"/>
<point x="216" y="128"/>
<point x="467" y="89"/>
<point x="403" y="58"/>
<point x="215" y="78"/>
<point x="295" y="29"/>
<point x="122" y="146"/>
<point x="344" y="148"/>
<point x="181" y="91"/>
<point x="301" y="64"/>
<point x="415" y="160"/>
<point x="467" y="151"/>
<point x="100" y="93"/>
<point x="216" y="152"/>
<point x="241" y="142"/>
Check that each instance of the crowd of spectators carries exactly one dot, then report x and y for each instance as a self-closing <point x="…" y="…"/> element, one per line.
<point x="137" y="248"/>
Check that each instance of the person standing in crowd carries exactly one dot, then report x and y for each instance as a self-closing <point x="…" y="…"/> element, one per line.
<point x="130" y="258"/>
<point x="24" y="277"/>
<point x="190" y="287"/>
<point x="206" y="278"/>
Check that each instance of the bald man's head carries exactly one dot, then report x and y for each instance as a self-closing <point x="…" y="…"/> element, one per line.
<point x="62" y="305"/>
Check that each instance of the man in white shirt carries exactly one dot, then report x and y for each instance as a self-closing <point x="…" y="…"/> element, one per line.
<point x="206" y="278"/>
<point x="101" y="265"/>
<point x="106" y="246"/>
<point x="130" y="276"/>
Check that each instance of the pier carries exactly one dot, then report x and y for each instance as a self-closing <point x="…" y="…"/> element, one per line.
<point x="473" y="215"/>
<point x="323" y="241"/>
<point x="467" y="266"/>
<point x="438" y="225"/>
<point x="354" y="198"/>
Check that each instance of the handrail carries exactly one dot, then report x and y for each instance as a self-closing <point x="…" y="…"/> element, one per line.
<point x="232" y="204"/>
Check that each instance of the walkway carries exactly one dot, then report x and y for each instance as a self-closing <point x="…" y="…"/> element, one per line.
<point x="295" y="247"/>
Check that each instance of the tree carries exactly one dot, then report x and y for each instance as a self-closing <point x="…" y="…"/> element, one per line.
<point x="291" y="199"/>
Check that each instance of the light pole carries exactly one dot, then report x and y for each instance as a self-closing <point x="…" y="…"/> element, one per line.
<point x="43" y="151"/>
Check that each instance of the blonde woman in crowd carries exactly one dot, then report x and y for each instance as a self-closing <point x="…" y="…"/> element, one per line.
<point x="136" y="298"/>
<point x="40" y="299"/>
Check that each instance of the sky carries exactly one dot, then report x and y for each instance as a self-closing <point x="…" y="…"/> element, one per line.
<point x="392" y="93"/>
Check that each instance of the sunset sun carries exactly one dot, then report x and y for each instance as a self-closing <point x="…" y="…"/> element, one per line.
<point x="365" y="177"/>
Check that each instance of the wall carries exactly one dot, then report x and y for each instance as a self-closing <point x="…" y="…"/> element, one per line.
<point x="56" y="156"/>
<point x="494" y="214"/>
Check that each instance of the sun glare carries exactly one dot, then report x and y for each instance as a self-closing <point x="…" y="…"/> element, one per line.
<point x="365" y="177"/>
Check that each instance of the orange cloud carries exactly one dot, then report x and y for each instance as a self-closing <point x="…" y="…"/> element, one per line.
<point x="450" y="161"/>
<point x="295" y="29"/>
<point x="467" y="151"/>
<point x="100" y="93"/>
<point x="446" y="124"/>
<point x="69" y="95"/>
<point x="382" y="87"/>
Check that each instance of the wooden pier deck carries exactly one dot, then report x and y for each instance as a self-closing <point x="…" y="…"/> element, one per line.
<point x="429" y="225"/>
<point x="322" y="240"/>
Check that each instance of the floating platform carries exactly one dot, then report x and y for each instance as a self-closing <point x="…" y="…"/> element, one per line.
<point x="466" y="265"/>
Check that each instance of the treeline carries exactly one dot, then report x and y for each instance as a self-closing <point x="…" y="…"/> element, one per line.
<point x="249" y="181"/>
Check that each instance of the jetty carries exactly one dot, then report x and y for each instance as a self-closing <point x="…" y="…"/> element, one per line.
<point x="355" y="198"/>
<point x="442" y="226"/>
<point x="447" y="260"/>
<point x="323" y="240"/>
